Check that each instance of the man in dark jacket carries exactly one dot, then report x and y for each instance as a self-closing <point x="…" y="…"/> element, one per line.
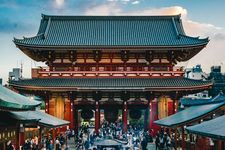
<point x="144" y="144"/>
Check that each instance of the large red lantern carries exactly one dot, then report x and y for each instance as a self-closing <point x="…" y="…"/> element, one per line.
<point x="87" y="114"/>
<point x="111" y="115"/>
<point x="135" y="114"/>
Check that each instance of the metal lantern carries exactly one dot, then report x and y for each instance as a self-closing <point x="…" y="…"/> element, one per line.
<point x="87" y="114"/>
<point x="135" y="114"/>
<point x="111" y="115"/>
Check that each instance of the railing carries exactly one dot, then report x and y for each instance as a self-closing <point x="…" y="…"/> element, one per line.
<point x="38" y="73"/>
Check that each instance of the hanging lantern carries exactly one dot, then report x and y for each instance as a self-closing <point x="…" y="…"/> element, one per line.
<point x="111" y="115"/>
<point x="87" y="114"/>
<point x="135" y="114"/>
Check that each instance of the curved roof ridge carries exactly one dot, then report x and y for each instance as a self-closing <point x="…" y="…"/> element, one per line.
<point x="89" y="17"/>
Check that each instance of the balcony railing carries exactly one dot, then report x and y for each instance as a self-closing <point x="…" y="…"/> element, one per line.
<point x="42" y="73"/>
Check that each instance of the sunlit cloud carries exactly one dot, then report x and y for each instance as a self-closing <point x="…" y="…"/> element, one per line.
<point x="135" y="2"/>
<point x="59" y="2"/>
<point x="215" y="48"/>
<point x="213" y="54"/>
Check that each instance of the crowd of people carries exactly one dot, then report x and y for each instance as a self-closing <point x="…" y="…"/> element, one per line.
<point x="164" y="140"/>
<point x="47" y="143"/>
<point x="134" y="138"/>
<point x="31" y="144"/>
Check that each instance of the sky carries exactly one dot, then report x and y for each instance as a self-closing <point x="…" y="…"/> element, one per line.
<point x="21" y="18"/>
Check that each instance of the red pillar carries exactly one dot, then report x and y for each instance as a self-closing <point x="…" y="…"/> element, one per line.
<point x="219" y="145"/>
<point x="183" y="139"/>
<point x="175" y="138"/>
<point x="47" y="104"/>
<point x="124" y="116"/>
<point x="40" y="138"/>
<point x="174" y="106"/>
<point x="17" y="138"/>
<point x="53" y="136"/>
<point x="21" y="135"/>
<point x="71" y="98"/>
<point x="150" y="117"/>
<point x="75" y="120"/>
<point x="97" y="117"/>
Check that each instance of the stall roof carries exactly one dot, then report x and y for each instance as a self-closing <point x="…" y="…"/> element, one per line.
<point x="190" y="114"/>
<point x="10" y="100"/>
<point x="44" y="119"/>
<point x="8" y="119"/>
<point x="214" y="128"/>
<point x="109" y="143"/>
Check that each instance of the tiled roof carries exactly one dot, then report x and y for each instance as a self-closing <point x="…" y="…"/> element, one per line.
<point x="10" y="100"/>
<point x="213" y="128"/>
<point x="188" y="115"/>
<point x="112" y="83"/>
<point x="43" y="118"/>
<point x="39" y="117"/>
<point x="111" y="31"/>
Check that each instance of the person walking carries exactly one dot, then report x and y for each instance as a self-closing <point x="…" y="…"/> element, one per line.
<point x="9" y="146"/>
<point x="144" y="144"/>
<point x="157" y="141"/>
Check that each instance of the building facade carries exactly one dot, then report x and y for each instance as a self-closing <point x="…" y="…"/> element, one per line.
<point x="110" y="63"/>
<point x="218" y="79"/>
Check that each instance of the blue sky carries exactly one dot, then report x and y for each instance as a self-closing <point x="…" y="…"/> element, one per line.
<point x="20" y="18"/>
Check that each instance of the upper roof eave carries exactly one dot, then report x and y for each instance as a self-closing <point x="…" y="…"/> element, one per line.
<point x="127" y="39"/>
<point x="204" y="43"/>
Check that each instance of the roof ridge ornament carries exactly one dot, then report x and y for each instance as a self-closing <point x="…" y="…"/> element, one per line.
<point x="175" y="27"/>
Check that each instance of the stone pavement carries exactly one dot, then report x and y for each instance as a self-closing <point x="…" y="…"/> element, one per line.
<point x="71" y="145"/>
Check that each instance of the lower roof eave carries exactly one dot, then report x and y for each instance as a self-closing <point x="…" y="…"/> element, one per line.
<point x="154" y="89"/>
<point x="53" y="126"/>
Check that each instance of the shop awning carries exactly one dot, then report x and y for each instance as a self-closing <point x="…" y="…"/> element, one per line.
<point x="10" y="100"/>
<point x="44" y="119"/>
<point x="188" y="115"/>
<point x="8" y="119"/>
<point x="214" y="128"/>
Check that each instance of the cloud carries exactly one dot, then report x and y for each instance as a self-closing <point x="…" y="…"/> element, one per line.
<point x="135" y="2"/>
<point x="103" y="10"/>
<point x="126" y="1"/>
<point x="59" y="2"/>
<point x="213" y="54"/>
